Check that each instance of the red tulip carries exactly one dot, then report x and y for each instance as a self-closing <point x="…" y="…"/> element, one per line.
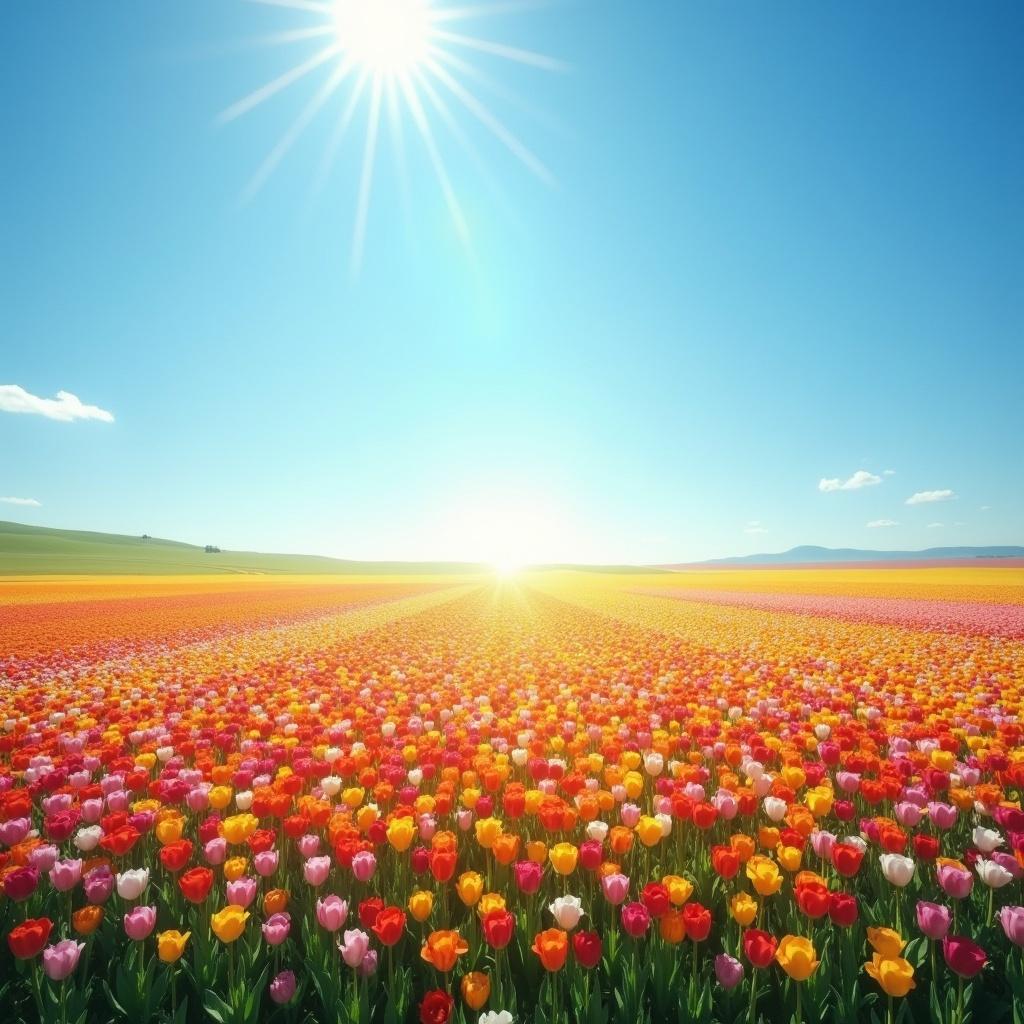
<point x="963" y="956"/>
<point x="586" y="947"/>
<point x="27" y="940"/>
<point x="196" y="884"/>
<point x="498" y="927"/>
<point x="759" y="947"/>
<point x="697" y="921"/>
<point x="436" y="1007"/>
<point x="636" y="919"/>
<point x="389" y="925"/>
<point x="655" y="899"/>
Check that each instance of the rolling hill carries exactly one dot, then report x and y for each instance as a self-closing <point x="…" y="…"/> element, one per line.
<point x="808" y="554"/>
<point x="40" y="550"/>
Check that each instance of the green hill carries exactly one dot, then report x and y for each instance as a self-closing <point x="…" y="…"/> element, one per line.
<point x="40" y="550"/>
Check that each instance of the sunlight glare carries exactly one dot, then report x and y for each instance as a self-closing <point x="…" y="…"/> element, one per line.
<point x="386" y="36"/>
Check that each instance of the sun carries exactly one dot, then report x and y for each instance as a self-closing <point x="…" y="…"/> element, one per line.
<point x="407" y="64"/>
<point x="390" y="37"/>
<point x="507" y="568"/>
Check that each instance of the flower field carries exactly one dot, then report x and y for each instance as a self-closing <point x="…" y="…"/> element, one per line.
<point x="567" y="797"/>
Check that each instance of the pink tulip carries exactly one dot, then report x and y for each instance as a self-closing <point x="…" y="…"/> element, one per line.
<point x="309" y="846"/>
<point x="282" y="988"/>
<point x="241" y="892"/>
<point x="316" y="870"/>
<point x="216" y="851"/>
<point x="276" y="928"/>
<point x="332" y="913"/>
<point x="942" y="815"/>
<point x="728" y="970"/>
<point x="615" y="887"/>
<point x="354" y="946"/>
<point x="60" y="960"/>
<point x="933" y="919"/>
<point x="1012" y="920"/>
<point x="98" y="885"/>
<point x="139" y="922"/>
<point x="265" y="863"/>
<point x="42" y="858"/>
<point x="368" y="967"/>
<point x="955" y="883"/>
<point x="14" y="831"/>
<point x="364" y="864"/>
<point x="66" y="874"/>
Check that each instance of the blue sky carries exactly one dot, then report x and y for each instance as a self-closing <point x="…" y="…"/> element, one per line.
<point x="781" y="244"/>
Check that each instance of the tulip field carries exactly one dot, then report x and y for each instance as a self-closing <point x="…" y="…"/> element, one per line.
<point x="566" y="796"/>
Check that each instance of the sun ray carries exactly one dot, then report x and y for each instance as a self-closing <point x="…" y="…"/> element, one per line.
<point x="398" y="141"/>
<point x="537" y="60"/>
<point x="254" y="99"/>
<point x="423" y="125"/>
<point x="464" y="67"/>
<point x="489" y="121"/>
<point x="313" y="6"/>
<point x="338" y="135"/>
<point x="366" y="178"/>
<point x="297" y="127"/>
<point x="469" y="11"/>
<point x="416" y="68"/>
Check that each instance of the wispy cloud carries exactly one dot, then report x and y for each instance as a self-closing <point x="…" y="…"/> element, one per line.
<point x="877" y="524"/>
<point x="754" y="526"/>
<point x="927" y="497"/>
<point x="66" y="407"/>
<point x="888" y="472"/>
<point x="984" y="508"/>
<point x="28" y="502"/>
<point x="936" y="526"/>
<point x="862" y="478"/>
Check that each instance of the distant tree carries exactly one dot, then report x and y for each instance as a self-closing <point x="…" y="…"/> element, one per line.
<point x="212" y="549"/>
<point x="146" y="536"/>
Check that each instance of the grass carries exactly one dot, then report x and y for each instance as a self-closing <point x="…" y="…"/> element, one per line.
<point x="40" y="550"/>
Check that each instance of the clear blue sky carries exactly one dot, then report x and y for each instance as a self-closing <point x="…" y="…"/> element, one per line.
<point x="782" y="244"/>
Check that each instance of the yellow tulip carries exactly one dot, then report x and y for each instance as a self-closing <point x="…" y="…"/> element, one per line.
<point x="476" y="989"/>
<point x="421" y="903"/>
<point x="679" y="889"/>
<point x="470" y="887"/>
<point x="649" y="831"/>
<point x="563" y="857"/>
<point x="401" y="832"/>
<point x="229" y="923"/>
<point x="796" y="957"/>
<point x="764" y="873"/>
<point x="487" y="832"/>
<point x="886" y="941"/>
<point x="894" y="974"/>
<point x="743" y="908"/>
<point x="171" y="945"/>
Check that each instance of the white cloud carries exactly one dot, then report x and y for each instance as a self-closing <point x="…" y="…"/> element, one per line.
<point x="936" y="526"/>
<point x="888" y="472"/>
<point x="66" y="407"/>
<point x="754" y="526"/>
<point x="876" y="524"/>
<point x="862" y="478"/>
<point x="30" y="502"/>
<point x="926" y="497"/>
<point x="984" y="508"/>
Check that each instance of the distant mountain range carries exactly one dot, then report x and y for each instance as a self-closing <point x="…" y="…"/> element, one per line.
<point x="809" y="554"/>
<point x="38" y="550"/>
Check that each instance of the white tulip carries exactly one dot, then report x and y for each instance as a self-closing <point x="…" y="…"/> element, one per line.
<point x="132" y="884"/>
<point x="567" y="911"/>
<point x="898" y="870"/>
<point x="87" y="839"/>
<point x="775" y="808"/>
<point x="986" y="839"/>
<point x="993" y="874"/>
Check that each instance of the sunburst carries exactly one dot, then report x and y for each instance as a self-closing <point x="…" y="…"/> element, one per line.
<point x="408" y="62"/>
